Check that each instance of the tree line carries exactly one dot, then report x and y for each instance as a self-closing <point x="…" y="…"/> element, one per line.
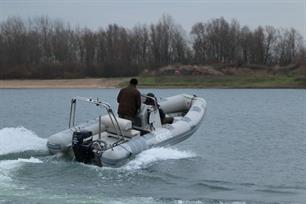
<point x="45" y="48"/>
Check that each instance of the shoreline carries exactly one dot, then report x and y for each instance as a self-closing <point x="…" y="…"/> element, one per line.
<point x="61" y="83"/>
<point x="144" y="82"/>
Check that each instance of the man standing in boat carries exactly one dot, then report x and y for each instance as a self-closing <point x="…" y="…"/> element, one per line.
<point x="129" y="99"/>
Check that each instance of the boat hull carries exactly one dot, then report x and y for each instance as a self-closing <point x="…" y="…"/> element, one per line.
<point x="169" y="134"/>
<point x="166" y="136"/>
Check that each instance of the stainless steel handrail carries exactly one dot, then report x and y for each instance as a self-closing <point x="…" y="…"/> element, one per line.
<point x="99" y="104"/>
<point x="154" y="99"/>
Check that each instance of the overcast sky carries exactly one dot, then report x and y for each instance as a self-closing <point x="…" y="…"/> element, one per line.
<point x="127" y="13"/>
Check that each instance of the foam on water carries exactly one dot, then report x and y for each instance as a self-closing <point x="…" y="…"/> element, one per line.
<point x="7" y="166"/>
<point x="19" y="139"/>
<point x="150" y="156"/>
<point x="150" y="200"/>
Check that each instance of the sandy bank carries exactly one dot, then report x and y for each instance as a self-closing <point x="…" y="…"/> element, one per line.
<point x="62" y="83"/>
<point x="165" y="82"/>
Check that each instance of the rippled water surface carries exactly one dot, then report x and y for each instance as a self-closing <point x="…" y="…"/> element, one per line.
<point x="250" y="148"/>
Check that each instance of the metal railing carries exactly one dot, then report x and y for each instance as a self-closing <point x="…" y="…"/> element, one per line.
<point x="98" y="103"/>
<point x="155" y="106"/>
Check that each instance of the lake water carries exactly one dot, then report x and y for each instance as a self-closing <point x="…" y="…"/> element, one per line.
<point x="250" y="149"/>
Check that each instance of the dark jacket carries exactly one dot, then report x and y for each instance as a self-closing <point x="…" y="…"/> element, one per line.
<point x="129" y="100"/>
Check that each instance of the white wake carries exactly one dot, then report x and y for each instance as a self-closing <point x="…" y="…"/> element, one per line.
<point x="150" y="156"/>
<point x="9" y="166"/>
<point x="19" y="139"/>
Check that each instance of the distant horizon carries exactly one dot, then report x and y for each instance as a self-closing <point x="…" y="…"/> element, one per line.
<point x="95" y="14"/>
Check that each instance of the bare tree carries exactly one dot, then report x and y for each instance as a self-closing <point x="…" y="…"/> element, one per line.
<point x="270" y="39"/>
<point x="245" y="42"/>
<point x="46" y="48"/>
<point x="140" y="45"/>
<point x="168" y="44"/>
<point x="199" y="43"/>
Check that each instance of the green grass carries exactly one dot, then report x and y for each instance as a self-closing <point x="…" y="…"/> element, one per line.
<point x="224" y="81"/>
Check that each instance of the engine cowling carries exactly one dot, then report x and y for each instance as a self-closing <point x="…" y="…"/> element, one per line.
<point x="85" y="149"/>
<point x="81" y="146"/>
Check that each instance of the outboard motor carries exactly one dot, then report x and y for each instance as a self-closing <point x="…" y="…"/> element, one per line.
<point x="82" y="147"/>
<point x="85" y="150"/>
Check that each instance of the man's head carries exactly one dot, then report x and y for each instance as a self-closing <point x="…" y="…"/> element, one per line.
<point x="151" y="95"/>
<point x="133" y="82"/>
<point x="150" y="99"/>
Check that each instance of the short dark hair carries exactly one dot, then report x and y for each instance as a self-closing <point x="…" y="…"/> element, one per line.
<point x="151" y="95"/>
<point x="134" y="81"/>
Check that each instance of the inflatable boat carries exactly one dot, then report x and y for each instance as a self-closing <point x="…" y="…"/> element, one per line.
<point x="111" y="141"/>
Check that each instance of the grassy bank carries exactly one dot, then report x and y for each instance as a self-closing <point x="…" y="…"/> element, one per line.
<point x="166" y="82"/>
<point x="223" y="82"/>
